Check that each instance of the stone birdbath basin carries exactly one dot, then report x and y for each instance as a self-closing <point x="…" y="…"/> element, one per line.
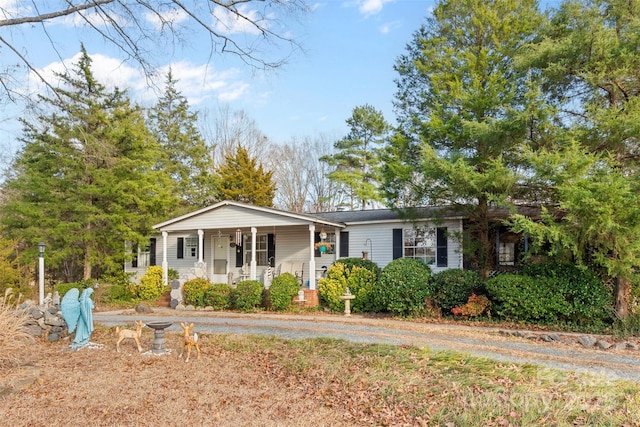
<point x="158" y="337"/>
<point x="347" y="297"/>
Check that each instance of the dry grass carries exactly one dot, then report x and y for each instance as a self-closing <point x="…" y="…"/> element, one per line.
<point x="13" y="337"/>
<point x="251" y="381"/>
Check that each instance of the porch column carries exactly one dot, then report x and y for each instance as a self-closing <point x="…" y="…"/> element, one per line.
<point x="312" y="257"/>
<point x="336" y="248"/>
<point x="254" y="232"/>
<point x="200" y="245"/>
<point x="165" y="263"/>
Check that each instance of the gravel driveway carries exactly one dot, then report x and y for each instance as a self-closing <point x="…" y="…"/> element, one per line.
<point x="477" y="341"/>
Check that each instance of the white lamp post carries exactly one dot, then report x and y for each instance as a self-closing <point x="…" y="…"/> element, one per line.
<point x="41" y="271"/>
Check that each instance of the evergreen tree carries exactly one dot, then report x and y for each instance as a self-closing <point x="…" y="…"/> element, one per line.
<point x="243" y="180"/>
<point x="588" y="59"/>
<point x="187" y="158"/>
<point x="464" y="109"/>
<point x="86" y="179"/>
<point x="356" y="160"/>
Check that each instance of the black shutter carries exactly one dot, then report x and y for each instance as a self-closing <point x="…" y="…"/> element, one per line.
<point x="180" y="254"/>
<point x="441" y="249"/>
<point x="239" y="254"/>
<point x="316" y="239"/>
<point x="398" y="244"/>
<point x="271" y="250"/>
<point x="344" y="244"/>
<point x="134" y="261"/>
<point x="152" y="251"/>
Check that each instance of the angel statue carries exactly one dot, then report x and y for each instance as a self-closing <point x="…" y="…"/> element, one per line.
<point x="77" y="314"/>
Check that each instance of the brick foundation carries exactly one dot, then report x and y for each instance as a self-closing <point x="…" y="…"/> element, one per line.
<point x="311" y="297"/>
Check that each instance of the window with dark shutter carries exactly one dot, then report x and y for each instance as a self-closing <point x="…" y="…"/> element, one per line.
<point x="134" y="261"/>
<point x="180" y="254"/>
<point x="344" y="244"/>
<point x="152" y="251"/>
<point x="271" y="250"/>
<point x="441" y="247"/>
<point x="397" y="243"/>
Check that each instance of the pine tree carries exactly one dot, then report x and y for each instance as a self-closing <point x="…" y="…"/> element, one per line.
<point x="356" y="159"/>
<point x="243" y="180"/>
<point x="86" y="179"/>
<point x="187" y="158"/>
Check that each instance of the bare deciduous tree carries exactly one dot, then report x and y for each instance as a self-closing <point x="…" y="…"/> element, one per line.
<point x="301" y="178"/>
<point x="225" y="130"/>
<point x="247" y="29"/>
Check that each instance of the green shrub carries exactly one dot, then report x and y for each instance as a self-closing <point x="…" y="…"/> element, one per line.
<point x="194" y="290"/>
<point x="218" y="296"/>
<point x="523" y="298"/>
<point x="63" y="288"/>
<point x="151" y="284"/>
<point x="247" y="295"/>
<point x="404" y="287"/>
<point x="283" y="288"/>
<point x="360" y="281"/>
<point x="362" y="263"/>
<point x="454" y="287"/>
<point x="172" y="274"/>
<point x="589" y="302"/>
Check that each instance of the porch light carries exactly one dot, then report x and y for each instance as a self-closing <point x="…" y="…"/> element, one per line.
<point x="238" y="237"/>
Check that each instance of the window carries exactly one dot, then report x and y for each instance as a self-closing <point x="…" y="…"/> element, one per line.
<point x="261" y="249"/>
<point x="331" y="239"/>
<point x="191" y="246"/>
<point x="507" y="253"/>
<point x="420" y="244"/>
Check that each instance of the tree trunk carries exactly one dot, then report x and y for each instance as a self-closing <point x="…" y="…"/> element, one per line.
<point x="484" y="249"/>
<point x="622" y="297"/>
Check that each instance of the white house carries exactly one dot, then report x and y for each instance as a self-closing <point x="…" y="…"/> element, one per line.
<point x="230" y="241"/>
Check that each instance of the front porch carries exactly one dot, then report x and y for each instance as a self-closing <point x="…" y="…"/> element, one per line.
<point x="230" y="242"/>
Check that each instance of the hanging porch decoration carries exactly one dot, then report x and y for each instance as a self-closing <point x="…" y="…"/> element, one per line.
<point x="323" y="246"/>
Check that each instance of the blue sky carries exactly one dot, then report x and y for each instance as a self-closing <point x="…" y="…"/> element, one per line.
<point x="350" y="49"/>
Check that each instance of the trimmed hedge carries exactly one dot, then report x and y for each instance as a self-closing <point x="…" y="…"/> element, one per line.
<point x="404" y="287"/>
<point x="247" y="295"/>
<point x="194" y="290"/>
<point x="218" y="296"/>
<point x="282" y="290"/>
<point x="454" y="287"/>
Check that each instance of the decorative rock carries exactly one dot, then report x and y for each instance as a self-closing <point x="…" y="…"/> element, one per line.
<point x="174" y="303"/>
<point x="33" y="330"/>
<point x="587" y="341"/>
<point x="35" y="312"/>
<point x="604" y="345"/>
<point x="190" y="307"/>
<point x="555" y="337"/>
<point x="54" y="337"/>
<point x="175" y="284"/>
<point x="176" y="293"/>
<point x="546" y="338"/>
<point x="180" y="307"/>
<point x="143" y="308"/>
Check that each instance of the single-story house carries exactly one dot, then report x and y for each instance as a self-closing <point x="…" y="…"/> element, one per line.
<point x="230" y="241"/>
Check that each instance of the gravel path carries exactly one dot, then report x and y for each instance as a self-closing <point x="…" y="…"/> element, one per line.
<point x="477" y="341"/>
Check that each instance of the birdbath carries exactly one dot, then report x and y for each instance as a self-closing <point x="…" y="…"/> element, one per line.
<point x="347" y="297"/>
<point x="158" y="336"/>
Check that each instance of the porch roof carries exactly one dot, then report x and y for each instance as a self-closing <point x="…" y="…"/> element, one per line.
<point x="230" y="214"/>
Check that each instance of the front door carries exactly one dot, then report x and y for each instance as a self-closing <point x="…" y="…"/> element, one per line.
<point x="220" y="259"/>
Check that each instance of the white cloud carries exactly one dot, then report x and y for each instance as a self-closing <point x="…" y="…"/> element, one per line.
<point x="371" y="7"/>
<point x="12" y="9"/>
<point x="230" y="23"/>
<point x="197" y="83"/>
